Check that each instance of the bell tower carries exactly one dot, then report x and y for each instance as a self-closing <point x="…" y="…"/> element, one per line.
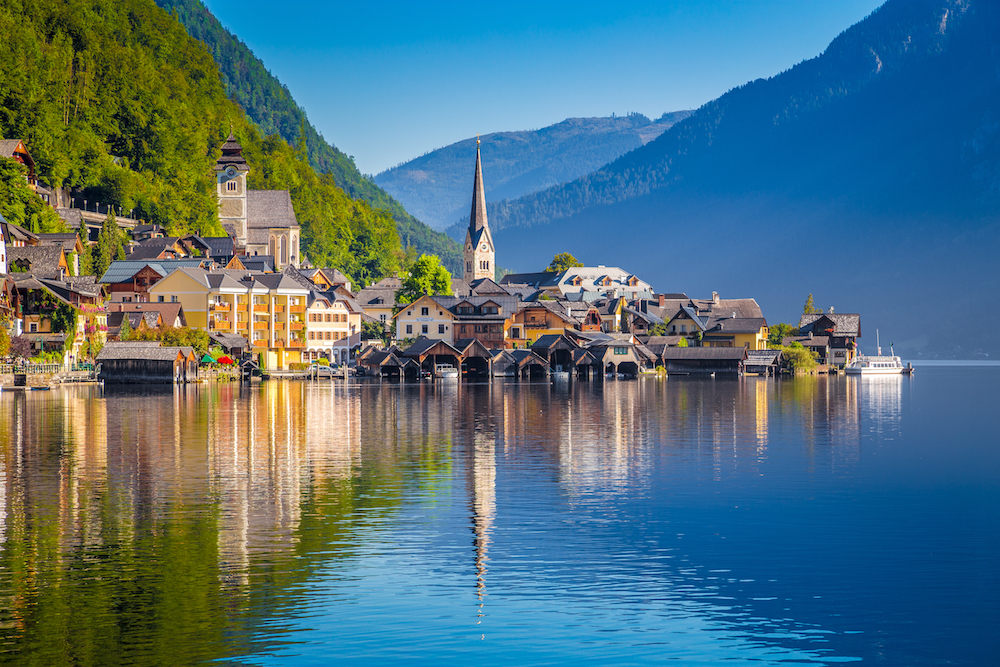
<point x="231" y="171"/>
<point x="479" y="252"/>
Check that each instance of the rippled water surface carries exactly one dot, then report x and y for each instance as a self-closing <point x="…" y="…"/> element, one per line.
<point x="815" y="521"/>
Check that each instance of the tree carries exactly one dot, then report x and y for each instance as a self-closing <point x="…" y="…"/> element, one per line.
<point x="110" y="245"/>
<point x="563" y="261"/>
<point x="810" y="307"/>
<point x="427" y="276"/>
<point x="658" y="329"/>
<point x="125" y="332"/>
<point x="778" y="332"/>
<point x="4" y="340"/>
<point x="683" y="342"/>
<point x="798" y="357"/>
<point x="624" y="326"/>
<point x="21" y="347"/>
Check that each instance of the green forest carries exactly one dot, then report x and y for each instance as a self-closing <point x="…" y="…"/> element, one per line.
<point x="112" y="97"/>
<point x="270" y="106"/>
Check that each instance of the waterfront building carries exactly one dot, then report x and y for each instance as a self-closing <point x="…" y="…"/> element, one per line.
<point x="535" y="319"/>
<point x="587" y="283"/>
<point x="329" y="329"/>
<point x="842" y="330"/>
<point x="428" y="317"/>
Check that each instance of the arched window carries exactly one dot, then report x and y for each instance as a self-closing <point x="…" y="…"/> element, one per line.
<point x="271" y="250"/>
<point x="284" y="249"/>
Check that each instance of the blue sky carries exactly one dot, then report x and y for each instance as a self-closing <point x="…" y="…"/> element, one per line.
<point x="386" y="81"/>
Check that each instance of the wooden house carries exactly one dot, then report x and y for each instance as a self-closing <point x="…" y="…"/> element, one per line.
<point x="146" y="363"/>
<point x="704" y="360"/>
<point x="843" y="330"/>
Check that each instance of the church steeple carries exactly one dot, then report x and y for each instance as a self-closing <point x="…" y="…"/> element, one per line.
<point x="479" y="251"/>
<point x="477" y="220"/>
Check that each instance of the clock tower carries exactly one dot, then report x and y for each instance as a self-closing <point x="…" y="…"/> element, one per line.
<point x="231" y="171"/>
<point x="479" y="251"/>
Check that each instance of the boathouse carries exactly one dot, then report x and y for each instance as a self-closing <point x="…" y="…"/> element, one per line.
<point x="694" y="360"/>
<point x="146" y="363"/>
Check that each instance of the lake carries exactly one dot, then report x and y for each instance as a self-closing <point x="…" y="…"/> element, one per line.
<point x="814" y="520"/>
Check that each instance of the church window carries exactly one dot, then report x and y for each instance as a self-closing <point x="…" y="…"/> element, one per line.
<point x="230" y="186"/>
<point x="284" y="249"/>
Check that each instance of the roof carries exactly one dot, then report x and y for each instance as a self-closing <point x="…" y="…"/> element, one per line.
<point x="270" y="209"/>
<point x="422" y="345"/>
<point x="736" y="325"/>
<point x="536" y="280"/>
<point x="377" y="297"/>
<point x="169" y="312"/>
<point x="763" y="357"/>
<point x="122" y="270"/>
<point x="152" y="248"/>
<point x="695" y="353"/>
<point x="139" y="350"/>
<point x="18" y="233"/>
<point x="220" y="246"/>
<point x="807" y="341"/>
<point x="43" y="259"/>
<point x="68" y="241"/>
<point x="552" y="342"/>
<point x="845" y="324"/>
<point x="229" y="340"/>
<point x="8" y="146"/>
<point x="232" y="155"/>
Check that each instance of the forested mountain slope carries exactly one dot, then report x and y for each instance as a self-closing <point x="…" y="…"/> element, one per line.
<point x="271" y="107"/>
<point x="114" y="98"/>
<point x="437" y="186"/>
<point x="869" y="175"/>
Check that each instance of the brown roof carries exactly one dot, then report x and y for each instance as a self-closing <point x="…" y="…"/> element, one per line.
<point x="169" y="312"/>
<point x="270" y="209"/>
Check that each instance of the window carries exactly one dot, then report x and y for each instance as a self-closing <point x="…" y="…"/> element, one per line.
<point x="423" y="328"/>
<point x="160" y="298"/>
<point x="515" y="332"/>
<point x="424" y="311"/>
<point x="490" y="310"/>
<point x="621" y="351"/>
<point x="382" y="317"/>
<point x="440" y="328"/>
<point x="328" y="317"/>
<point x="33" y="327"/>
<point x="409" y="328"/>
<point x="231" y="186"/>
<point x="684" y="328"/>
<point x="173" y="298"/>
<point x="463" y="328"/>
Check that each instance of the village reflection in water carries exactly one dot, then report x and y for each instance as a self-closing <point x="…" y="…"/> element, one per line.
<point x="118" y="509"/>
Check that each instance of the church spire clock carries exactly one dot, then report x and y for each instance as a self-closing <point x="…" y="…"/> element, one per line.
<point x="479" y="251"/>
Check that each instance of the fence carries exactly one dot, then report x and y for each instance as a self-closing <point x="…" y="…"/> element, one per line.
<point x="30" y="369"/>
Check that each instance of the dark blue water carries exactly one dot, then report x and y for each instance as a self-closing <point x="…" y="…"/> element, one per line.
<point x="815" y="521"/>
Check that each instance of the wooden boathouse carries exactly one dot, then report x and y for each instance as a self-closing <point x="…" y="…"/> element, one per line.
<point x="146" y="363"/>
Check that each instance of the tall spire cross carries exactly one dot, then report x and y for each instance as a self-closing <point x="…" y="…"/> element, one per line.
<point x="477" y="219"/>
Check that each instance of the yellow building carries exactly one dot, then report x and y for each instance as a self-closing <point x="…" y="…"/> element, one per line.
<point x="425" y="317"/>
<point x="267" y="309"/>
<point x="748" y="332"/>
<point x="536" y="319"/>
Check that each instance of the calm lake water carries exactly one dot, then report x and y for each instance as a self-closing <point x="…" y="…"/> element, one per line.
<point x="815" y="521"/>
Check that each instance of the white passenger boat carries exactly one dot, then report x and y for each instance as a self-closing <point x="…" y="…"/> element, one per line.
<point x="879" y="364"/>
<point x="446" y="371"/>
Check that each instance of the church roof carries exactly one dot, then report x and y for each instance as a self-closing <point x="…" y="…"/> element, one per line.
<point x="270" y="209"/>
<point x="232" y="155"/>
<point x="477" y="219"/>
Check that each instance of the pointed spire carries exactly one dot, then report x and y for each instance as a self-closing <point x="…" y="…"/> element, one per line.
<point x="477" y="219"/>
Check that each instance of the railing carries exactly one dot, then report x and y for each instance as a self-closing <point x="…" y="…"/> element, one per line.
<point x="260" y="308"/>
<point x="296" y="326"/>
<point x="538" y="325"/>
<point x="279" y="325"/>
<point x="30" y="369"/>
<point x="279" y="309"/>
<point x="242" y="324"/>
<point x="296" y="309"/>
<point x="241" y="307"/>
<point x="260" y="343"/>
<point x="222" y="306"/>
<point x="296" y="343"/>
<point x="260" y="326"/>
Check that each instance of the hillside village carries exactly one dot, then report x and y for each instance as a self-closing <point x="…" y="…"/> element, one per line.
<point x="252" y="297"/>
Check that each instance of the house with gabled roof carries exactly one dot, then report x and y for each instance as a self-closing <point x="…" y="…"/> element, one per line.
<point x="535" y="319"/>
<point x="747" y="332"/>
<point x="842" y="330"/>
<point x="428" y="317"/>
<point x="484" y="318"/>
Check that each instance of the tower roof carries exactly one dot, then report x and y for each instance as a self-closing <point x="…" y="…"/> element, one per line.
<point x="477" y="219"/>
<point x="232" y="155"/>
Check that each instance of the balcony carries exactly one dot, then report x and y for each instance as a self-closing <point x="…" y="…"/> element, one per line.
<point x="221" y="307"/>
<point x="296" y="343"/>
<point x="296" y="326"/>
<point x="241" y="325"/>
<point x="260" y="326"/>
<point x="296" y="309"/>
<point x="279" y="309"/>
<point x="279" y="325"/>
<point x="241" y="308"/>
<point x="260" y="308"/>
<point x="537" y="325"/>
<point x="260" y="343"/>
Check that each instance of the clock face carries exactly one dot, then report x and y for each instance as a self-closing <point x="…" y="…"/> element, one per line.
<point x="468" y="247"/>
<point x="231" y="172"/>
<point x="484" y="246"/>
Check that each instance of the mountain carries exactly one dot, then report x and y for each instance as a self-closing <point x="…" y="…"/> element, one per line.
<point x="869" y="176"/>
<point x="436" y="186"/>
<point x="115" y="100"/>
<point x="269" y="104"/>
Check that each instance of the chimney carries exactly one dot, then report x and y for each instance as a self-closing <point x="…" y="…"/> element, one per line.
<point x="810" y="335"/>
<point x="733" y="315"/>
<point x="661" y="299"/>
<point x="715" y="298"/>
<point x="831" y="310"/>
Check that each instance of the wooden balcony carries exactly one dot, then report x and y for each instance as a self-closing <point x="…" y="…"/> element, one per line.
<point x="260" y="308"/>
<point x="260" y="343"/>
<point x="296" y="326"/>
<point x="260" y="326"/>
<point x="221" y="307"/>
<point x="241" y="308"/>
<point x="242" y="325"/>
<point x="296" y="309"/>
<point x="279" y="325"/>
<point x="296" y="343"/>
<point x="279" y="309"/>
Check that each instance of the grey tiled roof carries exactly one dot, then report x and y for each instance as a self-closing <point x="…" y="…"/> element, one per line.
<point x="43" y="259"/>
<point x="129" y="350"/>
<point x="846" y="324"/>
<point x="735" y="325"/>
<point x="684" y="353"/>
<point x="268" y="209"/>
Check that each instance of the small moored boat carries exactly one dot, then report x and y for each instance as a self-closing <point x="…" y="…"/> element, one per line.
<point x="446" y="371"/>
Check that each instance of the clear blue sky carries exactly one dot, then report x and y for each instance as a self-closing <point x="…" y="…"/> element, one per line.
<point x="387" y="81"/>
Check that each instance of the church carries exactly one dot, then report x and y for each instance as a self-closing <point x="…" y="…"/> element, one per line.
<point x="261" y="222"/>
<point x="479" y="251"/>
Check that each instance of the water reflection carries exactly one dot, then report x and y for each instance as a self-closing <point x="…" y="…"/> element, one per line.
<point x="192" y="518"/>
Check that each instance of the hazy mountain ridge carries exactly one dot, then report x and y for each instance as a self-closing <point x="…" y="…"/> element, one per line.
<point x="869" y="175"/>
<point x="437" y="185"/>
<point x="269" y="104"/>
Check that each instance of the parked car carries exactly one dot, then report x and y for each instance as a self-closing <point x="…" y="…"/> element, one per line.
<point x="322" y="370"/>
